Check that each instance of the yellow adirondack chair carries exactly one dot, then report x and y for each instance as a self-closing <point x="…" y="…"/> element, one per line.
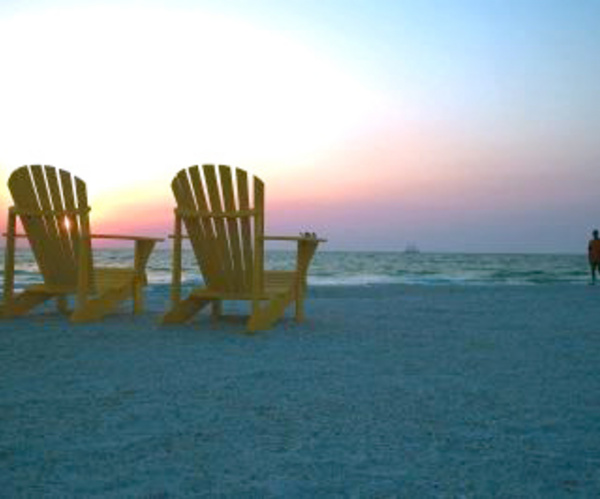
<point x="227" y="236"/>
<point x="54" y="212"/>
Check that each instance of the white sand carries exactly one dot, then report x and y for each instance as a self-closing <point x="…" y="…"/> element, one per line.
<point x="384" y="391"/>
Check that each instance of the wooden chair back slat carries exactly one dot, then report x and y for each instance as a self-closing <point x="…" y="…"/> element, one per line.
<point x="210" y="249"/>
<point x="222" y="242"/>
<point x="24" y="196"/>
<point x="245" y="228"/>
<point x="84" y="227"/>
<point x="233" y="229"/>
<point x="185" y="200"/>
<point x="259" y="232"/>
<point x="53" y="250"/>
<point x="66" y="182"/>
<point x="64" y="239"/>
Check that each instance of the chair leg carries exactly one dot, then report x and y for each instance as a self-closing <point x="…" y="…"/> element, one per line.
<point x="138" y="298"/>
<point x="216" y="309"/>
<point x="62" y="304"/>
<point x="176" y="264"/>
<point x="263" y="318"/>
<point x="96" y="308"/>
<point x="9" y="265"/>
<point x="299" y="308"/>
<point x="299" y="298"/>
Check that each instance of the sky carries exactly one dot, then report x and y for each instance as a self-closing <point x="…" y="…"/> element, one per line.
<point x="458" y="125"/>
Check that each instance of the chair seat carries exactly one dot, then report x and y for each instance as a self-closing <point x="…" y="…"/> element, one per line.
<point x="105" y="278"/>
<point x="279" y="281"/>
<point x="112" y="277"/>
<point x="275" y="282"/>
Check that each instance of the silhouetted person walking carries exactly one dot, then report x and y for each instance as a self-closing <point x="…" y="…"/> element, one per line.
<point x="594" y="255"/>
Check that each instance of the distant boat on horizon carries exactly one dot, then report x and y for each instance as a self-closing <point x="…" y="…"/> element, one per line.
<point x="411" y="249"/>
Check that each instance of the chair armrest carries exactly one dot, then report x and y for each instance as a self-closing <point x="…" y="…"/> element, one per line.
<point x="307" y="237"/>
<point x="5" y="234"/>
<point x="275" y="238"/>
<point x="143" y="249"/>
<point x="111" y="236"/>
<point x="307" y="243"/>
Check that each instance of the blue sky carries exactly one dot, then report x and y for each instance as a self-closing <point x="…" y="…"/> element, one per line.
<point x="461" y="125"/>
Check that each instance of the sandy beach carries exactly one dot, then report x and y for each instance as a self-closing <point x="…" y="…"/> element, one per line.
<point x="385" y="391"/>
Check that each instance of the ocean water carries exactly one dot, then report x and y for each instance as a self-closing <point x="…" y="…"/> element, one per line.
<point x="368" y="268"/>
